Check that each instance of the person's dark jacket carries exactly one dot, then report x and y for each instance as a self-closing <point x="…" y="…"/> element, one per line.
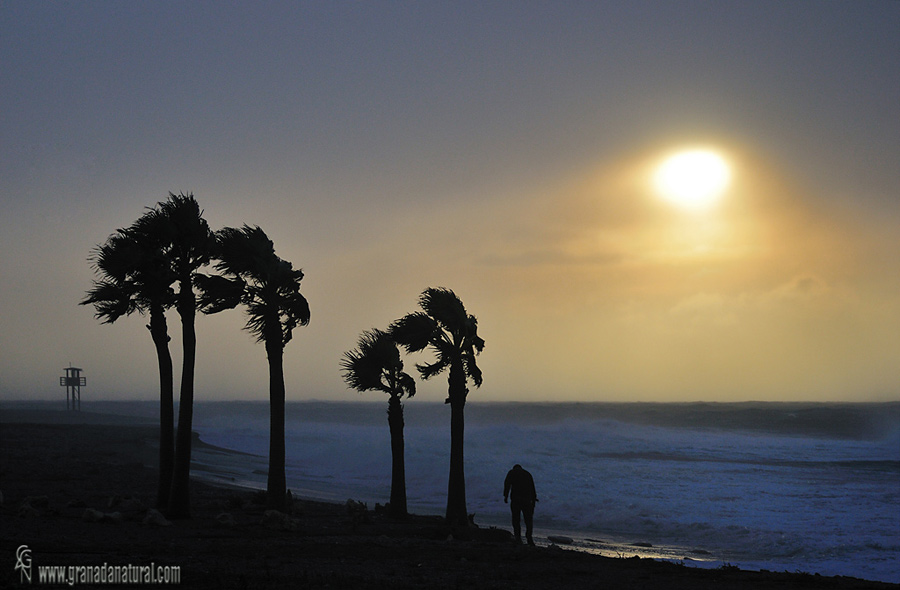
<point x="520" y="486"/>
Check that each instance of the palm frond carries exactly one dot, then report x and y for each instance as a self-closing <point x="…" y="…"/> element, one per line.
<point x="111" y="300"/>
<point x="445" y="307"/>
<point x="295" y="312"/>
<point x="133" y="272"/>
<point x="407" y="384"/>
<point x="218" y="293"/>
<point x="179" y="225"/>
<point x="365" y="366"/>
<point x="360" y="374"/>
<point x="429" y="370"/>
<point x="471" y="369"/>
<point x="447" y="329"/>
<point x="244" y="251"/>
<point x="472" y="337"/>
<point x="271" y="286"/>
<point x="375" y="364"/>
<point x="414" y="332"/>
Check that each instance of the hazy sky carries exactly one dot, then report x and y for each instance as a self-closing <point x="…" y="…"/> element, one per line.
<point x="500" y="149"/>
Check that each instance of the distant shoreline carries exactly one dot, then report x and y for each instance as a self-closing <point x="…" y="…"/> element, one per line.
<point x="844" y="420"/>
<point x="34" y="416"/>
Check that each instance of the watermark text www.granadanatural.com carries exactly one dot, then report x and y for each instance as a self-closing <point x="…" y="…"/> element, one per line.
<point x="73" y="575"/>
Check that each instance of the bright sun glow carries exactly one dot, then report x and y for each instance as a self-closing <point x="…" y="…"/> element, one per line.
<point x="692" y="179"/>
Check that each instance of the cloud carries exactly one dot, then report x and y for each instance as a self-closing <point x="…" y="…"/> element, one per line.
<point x="712" y="308"/>
<point x="550" y="257"/>
<point x="803" y="288"/>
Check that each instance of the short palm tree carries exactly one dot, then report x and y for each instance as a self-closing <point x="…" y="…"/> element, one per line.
<point x="269" y="287"/>
<point x="375" y="365"/>
<point x="187" y="244"/>
<point x="134" y="276"/>
<point x="451" y="333"/>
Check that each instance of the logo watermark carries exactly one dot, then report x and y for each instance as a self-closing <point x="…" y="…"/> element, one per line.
<point x="74" y="575"/>
<point x="23" y="563"/>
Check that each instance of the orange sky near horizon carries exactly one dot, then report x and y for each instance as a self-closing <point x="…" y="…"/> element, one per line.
<point x="767" y="295"/>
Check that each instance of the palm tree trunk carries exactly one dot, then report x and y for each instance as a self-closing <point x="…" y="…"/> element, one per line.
<point x="398" y="465"/>
<point x="160" y="333"/>
<point x="276" y="484"/>
<point x="179" y="498"/>
<point x="456" y="487"/>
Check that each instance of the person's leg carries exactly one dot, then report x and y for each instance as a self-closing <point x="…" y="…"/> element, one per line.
<point x="517" y="528"/>
<point x="528" y="513"/>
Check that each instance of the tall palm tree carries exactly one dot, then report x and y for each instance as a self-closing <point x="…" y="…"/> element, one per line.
<point x="135" y="277"/>
<point x="187" y="245"/>
<point x="375" y="365"/>
<point x="269" y="288"/>
<point x="452" y="334"/>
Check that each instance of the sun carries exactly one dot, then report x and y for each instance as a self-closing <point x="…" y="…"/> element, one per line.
<point x="692" y="179"/>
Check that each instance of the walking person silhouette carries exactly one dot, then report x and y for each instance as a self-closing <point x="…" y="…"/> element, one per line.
<point x="520" y="486"/>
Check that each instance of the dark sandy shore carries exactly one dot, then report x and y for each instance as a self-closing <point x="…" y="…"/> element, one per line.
<point x="78" y="494"/>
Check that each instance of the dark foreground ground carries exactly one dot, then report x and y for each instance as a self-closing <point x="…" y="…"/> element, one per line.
<point x="55" y="476"/>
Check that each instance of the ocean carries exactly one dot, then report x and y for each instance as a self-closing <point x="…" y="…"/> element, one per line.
<point x="779" y="486"/>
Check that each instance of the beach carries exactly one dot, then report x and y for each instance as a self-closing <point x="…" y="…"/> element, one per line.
<point x="78" y="491"/>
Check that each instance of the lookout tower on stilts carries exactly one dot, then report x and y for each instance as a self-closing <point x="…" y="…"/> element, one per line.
<point x="73" y="382"/>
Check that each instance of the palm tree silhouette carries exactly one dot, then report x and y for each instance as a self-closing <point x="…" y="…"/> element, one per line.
<point x="375" y="365"/>
<point x="187" y="245"/>
<point x="134" y="276"/>
<point x="269" y="287"/>
<point x="452" y="334"/>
